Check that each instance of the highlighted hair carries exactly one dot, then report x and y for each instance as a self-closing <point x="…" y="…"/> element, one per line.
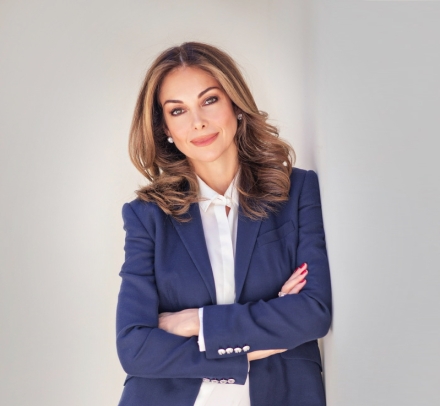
<point x="265" y="160"/>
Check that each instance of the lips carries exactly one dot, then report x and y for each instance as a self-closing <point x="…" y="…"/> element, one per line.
<point x="204" y="140"/>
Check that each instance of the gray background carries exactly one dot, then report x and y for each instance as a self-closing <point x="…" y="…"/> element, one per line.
<point x="353" y="85"/>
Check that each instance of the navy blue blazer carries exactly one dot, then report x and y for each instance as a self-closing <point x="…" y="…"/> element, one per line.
<point x="167" y="269"/>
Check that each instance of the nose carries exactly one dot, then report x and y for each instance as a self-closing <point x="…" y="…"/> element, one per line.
<point x="199" y="121"/>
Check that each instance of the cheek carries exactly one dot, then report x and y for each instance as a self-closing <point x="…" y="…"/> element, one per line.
<point x="178" y="128"/>
<point x="226" y="120"/>
<point x="231" y="125"/>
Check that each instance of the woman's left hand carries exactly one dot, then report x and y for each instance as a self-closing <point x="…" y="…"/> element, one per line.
<point x="184" y="323"/>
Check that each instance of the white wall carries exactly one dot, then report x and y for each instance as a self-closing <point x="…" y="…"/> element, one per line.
<point x="70" y="73"/>
<point x="375" y="105"/>
<point x="353" y="85"/>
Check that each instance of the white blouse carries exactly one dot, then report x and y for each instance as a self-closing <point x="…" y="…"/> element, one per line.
<point x="220" y="232"/>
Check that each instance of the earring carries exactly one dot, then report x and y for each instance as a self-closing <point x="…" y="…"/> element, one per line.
<point x="240" y="117"/>
<point x="170" y="140"/>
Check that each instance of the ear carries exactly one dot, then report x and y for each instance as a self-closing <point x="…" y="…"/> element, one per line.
<point x="236" y="109"/>
<point x="166" y="131"/>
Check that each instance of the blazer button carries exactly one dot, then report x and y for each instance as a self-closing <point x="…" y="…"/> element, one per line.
<point x="246" y="348"/>
<point x="223" y="381"/>
<point x="214" y="380"/>
<point x="237" y="350"/>
<point x="229" y="350"/>
<point x="231" y="380"/>
<point x="206" y="380"/>
<point x="221" y="351"/>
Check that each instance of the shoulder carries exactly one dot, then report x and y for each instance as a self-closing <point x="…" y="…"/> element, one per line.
<point x="139" y="211"/>
<point x="297" y="175"/>
<point x="302" y="178"/>
<point x="300" y="183"/>
<point x="141" y="207"/>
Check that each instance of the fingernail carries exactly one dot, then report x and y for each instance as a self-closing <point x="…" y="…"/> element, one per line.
<point x="303" y="272"/>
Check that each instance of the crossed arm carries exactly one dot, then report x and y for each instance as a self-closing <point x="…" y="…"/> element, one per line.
<point x="186" y="323"/>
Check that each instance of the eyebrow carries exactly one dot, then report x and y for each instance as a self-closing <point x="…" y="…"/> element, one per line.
<point x="198" y="96"/>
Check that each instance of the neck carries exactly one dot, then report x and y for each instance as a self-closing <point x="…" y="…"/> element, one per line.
<point x="216" y="175"/>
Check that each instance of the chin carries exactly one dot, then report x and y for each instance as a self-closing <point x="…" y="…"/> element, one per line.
<point x="208" y="159"/>
<point x="207" y="156"/>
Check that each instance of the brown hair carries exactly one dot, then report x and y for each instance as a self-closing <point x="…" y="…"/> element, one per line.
<point x="265" y="160"/>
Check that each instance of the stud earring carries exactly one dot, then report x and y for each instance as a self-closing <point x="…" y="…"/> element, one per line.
<point x="240" y="117"/>
<point x="170" y="140"/>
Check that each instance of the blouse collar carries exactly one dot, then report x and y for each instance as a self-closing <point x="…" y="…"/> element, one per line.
<point x="208" y="196"/>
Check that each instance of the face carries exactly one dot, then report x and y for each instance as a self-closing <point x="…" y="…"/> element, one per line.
<point x="199" y="116"/>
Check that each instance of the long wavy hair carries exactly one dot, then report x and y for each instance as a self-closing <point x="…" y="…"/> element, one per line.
<point x="265" y="161"/>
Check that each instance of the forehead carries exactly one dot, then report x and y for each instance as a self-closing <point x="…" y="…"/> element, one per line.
<point x="185" y="82"/>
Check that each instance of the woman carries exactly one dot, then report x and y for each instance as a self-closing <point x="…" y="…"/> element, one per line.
<point x="214" y="306"/>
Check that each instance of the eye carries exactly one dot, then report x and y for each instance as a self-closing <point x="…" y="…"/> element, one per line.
<point x="176" y="112"/>
<point x="211" y="100"/>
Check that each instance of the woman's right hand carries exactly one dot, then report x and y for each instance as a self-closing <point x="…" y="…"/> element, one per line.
<point x="296" y="281"/>
<point x="292" y="286"/>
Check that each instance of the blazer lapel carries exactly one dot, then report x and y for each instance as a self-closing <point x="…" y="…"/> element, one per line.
<point x="247" y="231"/>
<point x="192" y="236"/>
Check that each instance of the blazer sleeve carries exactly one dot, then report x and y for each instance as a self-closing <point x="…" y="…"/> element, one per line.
<point x="145" y="350"/>
<point x="286" y="322"/>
